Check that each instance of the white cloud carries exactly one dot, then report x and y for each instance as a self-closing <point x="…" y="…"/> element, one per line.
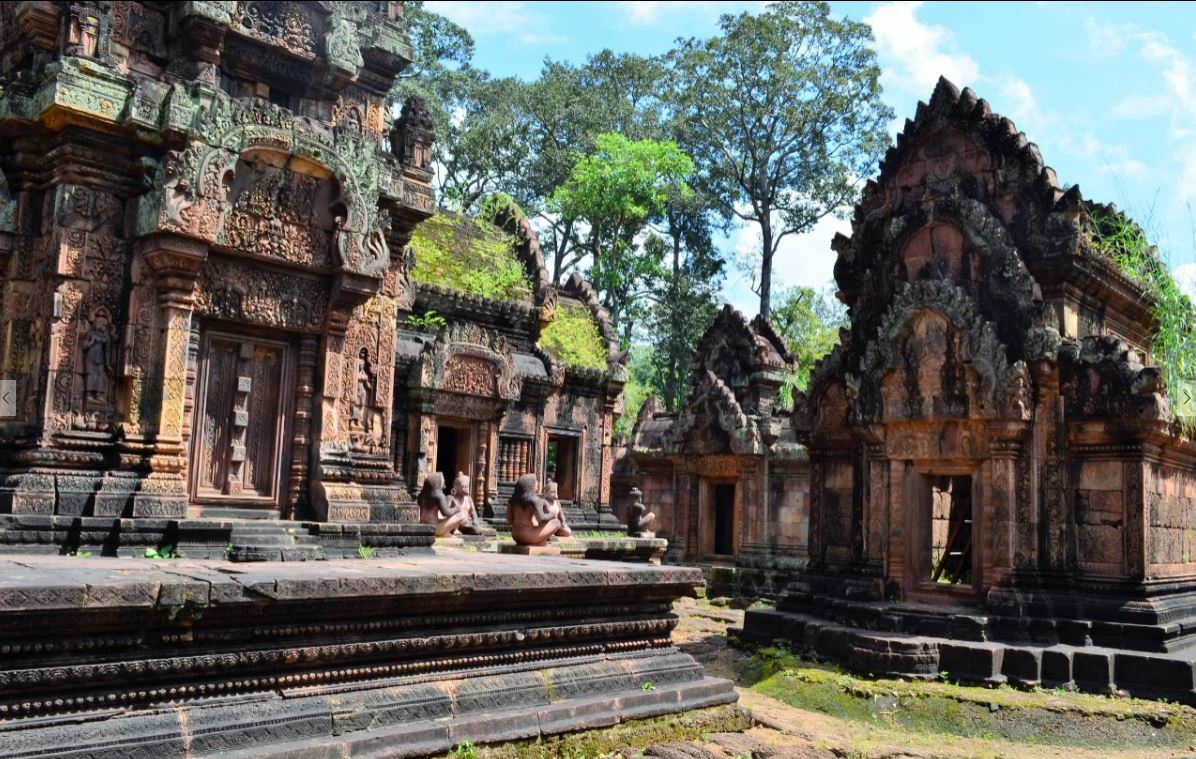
<point x="1141" y="106"/>
<point x="1105" y="38"/>
<point x="804" y="260"/>
<point x="511" y="18"/>
<point x="913" y="55"/>
<point x="642" y="12"/>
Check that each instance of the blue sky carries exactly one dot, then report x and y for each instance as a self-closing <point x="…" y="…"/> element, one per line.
<point x="1107" y="90"/>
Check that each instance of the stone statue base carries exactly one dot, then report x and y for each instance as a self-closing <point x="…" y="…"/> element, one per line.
<point x="529" y="550"/>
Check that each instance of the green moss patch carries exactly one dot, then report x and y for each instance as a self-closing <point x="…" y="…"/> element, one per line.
<point x="471" y="256"/>
<point x="633" y="734"/>
<point x="573" y="338"/>
<point x="1041" y="717"/>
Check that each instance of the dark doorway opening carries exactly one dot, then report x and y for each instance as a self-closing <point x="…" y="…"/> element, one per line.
<point x="561" y="465"/>
<point x="724" y="519"/>
<point x="950" y="530"/>
<point x="452" y="453"/>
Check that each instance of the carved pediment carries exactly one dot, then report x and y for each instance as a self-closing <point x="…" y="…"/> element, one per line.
<point x="470" y="360"/>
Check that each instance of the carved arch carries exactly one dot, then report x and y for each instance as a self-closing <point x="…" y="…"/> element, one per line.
<point x="191" y="193"/>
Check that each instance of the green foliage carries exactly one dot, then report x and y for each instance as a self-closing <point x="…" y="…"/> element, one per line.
<point x="809" y="323"/>
<point x="80" y="554"/>
<point x="573" y="338"/>
<point x="1173" y="348"/>
<point x="164" y="552"/>
<point x="615" y="191"/>
<point x="473" y="257"/>
<point x="428" y="320"/>
<point x="785" y="114"/>
<point x="642" y="368"/>
<point x="647" y="685"/>
<point x="365" y="552"/>
<point x="465" y="750"/>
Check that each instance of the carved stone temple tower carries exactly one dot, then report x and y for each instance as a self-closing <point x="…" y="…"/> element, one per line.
<point x="203" y="213"/>
<point x="998" y="486"/>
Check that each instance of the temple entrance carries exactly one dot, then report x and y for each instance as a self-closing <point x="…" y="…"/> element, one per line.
<point x="560" y="465"/>
<point x="724" y="519"/>
<point x="454" y="444"/>
<point x="946" y="553"/>
<point x="241" y="422"/>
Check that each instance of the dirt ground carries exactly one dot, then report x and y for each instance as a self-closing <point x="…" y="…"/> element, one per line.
<point x="841" y="717"/>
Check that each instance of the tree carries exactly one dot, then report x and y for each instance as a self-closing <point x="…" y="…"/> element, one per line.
<point x="566" y="110"/>
<point x="809" y="323"/>
<point x="614" y="192"/>
<point x="787" y="115"/>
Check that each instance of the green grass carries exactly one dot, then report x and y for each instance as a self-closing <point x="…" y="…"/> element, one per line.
<point x="941" y="707"/>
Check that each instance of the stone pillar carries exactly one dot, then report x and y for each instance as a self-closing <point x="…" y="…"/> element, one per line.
<point x="176" y="262"/>
<point x="1005" y="451"/>
<point x="1135" y="478"/>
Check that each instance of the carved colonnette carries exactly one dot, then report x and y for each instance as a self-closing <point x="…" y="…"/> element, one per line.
<point x="976" y="380"/>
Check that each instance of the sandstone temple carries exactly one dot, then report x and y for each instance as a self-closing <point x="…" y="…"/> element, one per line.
<point x="999" y="488"/>
<point x="230" y="322"/>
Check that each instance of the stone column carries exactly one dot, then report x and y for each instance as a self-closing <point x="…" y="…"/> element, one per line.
<point x="1006" y="448"/>
<point x="176" y="262"/>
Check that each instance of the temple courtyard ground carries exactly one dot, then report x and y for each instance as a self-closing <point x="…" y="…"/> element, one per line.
<point x="803" y="709"/>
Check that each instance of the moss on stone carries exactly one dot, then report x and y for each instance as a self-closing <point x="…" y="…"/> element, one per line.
<point x="471" y="256"/>
<point x="1001" y="714"/>
<point x="573" y="338"/>
<point x="633" y="734"/>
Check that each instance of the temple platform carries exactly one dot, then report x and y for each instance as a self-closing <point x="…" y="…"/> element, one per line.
<point x="1123" y="653"/>
<point x="408" y="656"/>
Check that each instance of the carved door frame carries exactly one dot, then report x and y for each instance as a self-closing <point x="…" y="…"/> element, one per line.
<point x="915" y="581"/>
<point x="275" y="504"/>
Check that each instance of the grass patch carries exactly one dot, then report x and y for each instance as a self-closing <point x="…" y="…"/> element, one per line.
<point x="941" y="708"/>
<point x="469" y="255"/>
<point x="573" y="338"/>
<point x="633" y="734"/>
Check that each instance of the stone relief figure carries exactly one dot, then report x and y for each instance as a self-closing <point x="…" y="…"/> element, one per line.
<point x="533" y="519"/>
<point x="437" y="509"/>
<point x="359" y="413"/>
<point x="639" y="519"/>
<point x="98" y="354"/>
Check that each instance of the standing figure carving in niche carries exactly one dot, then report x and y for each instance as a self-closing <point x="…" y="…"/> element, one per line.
<point x="97" y="360"/>
<point x="359" y="414"/>
<point x="639" y="519"/>
<point x="447" y="513"/>
<point x="533" y="519"/>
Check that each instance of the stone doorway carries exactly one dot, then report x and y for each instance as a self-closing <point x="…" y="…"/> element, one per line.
<point x="943" y="556"/>
<point x="454" y="446"/>
<point x="239" y="442"/>
<point x="723" y="513"/>
<point x="560" y="464"/>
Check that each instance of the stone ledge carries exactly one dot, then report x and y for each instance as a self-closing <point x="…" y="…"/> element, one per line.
<point x="181" y="657"/>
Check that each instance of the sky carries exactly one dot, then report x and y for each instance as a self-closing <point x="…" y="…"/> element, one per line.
<point x="1107" y="90"/>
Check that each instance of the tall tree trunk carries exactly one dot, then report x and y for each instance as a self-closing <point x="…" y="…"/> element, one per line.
<point x="766" y="265"/>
